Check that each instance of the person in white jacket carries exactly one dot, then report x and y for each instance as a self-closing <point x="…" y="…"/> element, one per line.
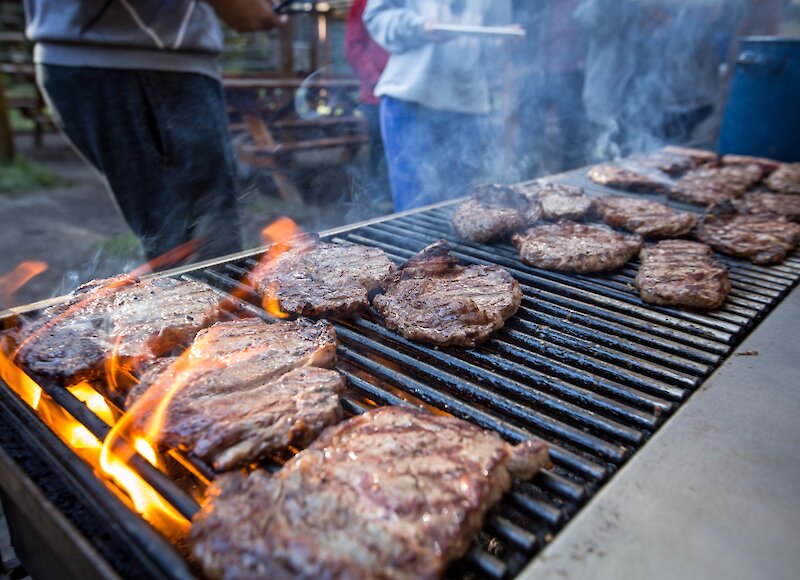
<point x="435" y="93"/>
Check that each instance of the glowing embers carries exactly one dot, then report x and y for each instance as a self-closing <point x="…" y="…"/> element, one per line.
<point x="110" y="459"/>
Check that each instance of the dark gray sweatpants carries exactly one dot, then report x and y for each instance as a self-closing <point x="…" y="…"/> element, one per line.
<point x="160" y="140"/>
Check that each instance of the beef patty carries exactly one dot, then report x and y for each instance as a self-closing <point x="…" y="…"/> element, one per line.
<point x="698" y="156"/>
<point x="394" y="493"/>
<point x="575" y="247"/>
<point x="627" y="179"/>
<point x="762" y="239"/>
<point x="493" y="211"/>
<point x="244" y="389"/>
<point x="785" y="179"/>
<point x="138" y="321"/>
<point x="647" y="218"/>
<point x="682" y="273"/>
<point x="315" y="278"/>
<point x="434" y="299"/>
<point x="767" y="165"/>
<point x="762" y="202"/>
<point x="709" y="185"/>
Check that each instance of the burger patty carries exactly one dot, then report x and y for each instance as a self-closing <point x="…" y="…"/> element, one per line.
<point x="575" y="247"/>
<point x="434" y="299"/>
<point x="762" y="239"/>
<point x="710" y="185"/>
<point x="766" y="165"/>
<point x="394" y="493"/>
<point x="698" y="156"/>
<point x="682" y="273"/>
<point x="647" y="218"/>
<point x="555" y="201"/>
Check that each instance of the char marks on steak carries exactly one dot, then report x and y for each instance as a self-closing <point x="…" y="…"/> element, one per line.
<point x="315" y="278"/>
<point x="626" y="179"/>
<point x="574" y="247"/>
<point x="394" y="493"/>
<point x="492" y="212"/>
<point x="682" y="273"/>
<point x="762" y="239"/>
<point x="785" y="179"/>
<point x="767" y="165"/>
<point x="138" y="321"/>
<point x="698" y="156"/>
<point x="555" y="201"/>
<point x="709" y="185"/>
<point x="650" y="219"/>
<point x="244" y="389"/>
<point x="434" y="299"/>
<point x="761" y="202"/>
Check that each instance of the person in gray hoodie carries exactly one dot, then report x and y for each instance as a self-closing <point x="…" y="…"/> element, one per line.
<point x="135" y="86"/>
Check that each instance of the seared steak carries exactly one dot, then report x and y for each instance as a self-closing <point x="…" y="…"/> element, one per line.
<point x="766" y="165"/>
<point x="709" y="185"/>
<point x="762" y="239"/>
<point x="139" y="321"/>
<point x="785" y="179"/>
<point x="761" y="202"/>
<point x="555" y="201"/>
<point x="647" y="218"/>
<point x="682" y="273"/>
<point x="492" y="212"/>
<point x="244" y="389"/>
<point x="314" y="278"/>
<point x="394" y="493"/>
<point x="698" y="156"/>
<point x="627" y="179"/>
<point x="433" y="299"/>
<point x="574" y="247"/>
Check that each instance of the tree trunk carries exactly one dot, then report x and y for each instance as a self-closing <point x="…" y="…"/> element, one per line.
<point x="6" y="138"/>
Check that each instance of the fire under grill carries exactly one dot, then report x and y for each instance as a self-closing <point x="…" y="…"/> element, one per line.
<point x="585" y="365"/>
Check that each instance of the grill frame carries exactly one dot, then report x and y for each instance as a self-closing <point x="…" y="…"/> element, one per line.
<point x="650" y="336"/>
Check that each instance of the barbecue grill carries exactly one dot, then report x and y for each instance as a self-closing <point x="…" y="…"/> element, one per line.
<point x="585" y="365"/>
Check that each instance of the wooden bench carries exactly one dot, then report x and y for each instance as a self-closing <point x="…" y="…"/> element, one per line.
<point x="262" y="115"/>
<point x="31" y="107"/>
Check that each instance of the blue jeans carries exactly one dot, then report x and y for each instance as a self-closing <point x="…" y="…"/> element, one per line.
<point x="432" y="155"/>
<point x="160" y="140"/>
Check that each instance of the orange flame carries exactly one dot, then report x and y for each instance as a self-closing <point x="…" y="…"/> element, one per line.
<point x="17" y="278"/>
<point x="280" y="235"/>
<point x="145" y="499"/>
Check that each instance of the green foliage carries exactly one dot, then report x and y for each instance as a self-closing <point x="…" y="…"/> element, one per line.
<point x="20" y="176"/>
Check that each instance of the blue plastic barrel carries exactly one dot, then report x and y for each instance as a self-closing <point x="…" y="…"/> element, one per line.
<point x="763" y="112"/>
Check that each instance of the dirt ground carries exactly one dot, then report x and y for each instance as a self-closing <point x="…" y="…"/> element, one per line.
<point x="78" y="232"/>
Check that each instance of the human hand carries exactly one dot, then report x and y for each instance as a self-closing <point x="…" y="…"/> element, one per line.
<point x="248" y="15"/>
<point x="434" y="35"/>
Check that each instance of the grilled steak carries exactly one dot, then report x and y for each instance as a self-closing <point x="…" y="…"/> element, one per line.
<point x="698" y="156"/>
<point x="244" y="389"/>
<point x="767" y="165"/>
<point x="647" y="218"/>
<point x="574" y="247"/>
<point x="314" y="278"/>
<point x="139" y="321"/>
<point x="770" y="203"/>
<point x="785" y="179"/>
<point x="394" y="493"/>
<point x="669" y="163"/>
<point x="492" y="212"/>
<point x="682" y="273"/>
<point x="433" y="299"/>
<point x="627" y="179"/>
<point x="709" y="185"/>
<point x="762" y="239"/>
<point x="555" y="201"/>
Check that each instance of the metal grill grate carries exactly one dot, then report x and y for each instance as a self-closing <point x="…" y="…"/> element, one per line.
<point x="585" y="365"/>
